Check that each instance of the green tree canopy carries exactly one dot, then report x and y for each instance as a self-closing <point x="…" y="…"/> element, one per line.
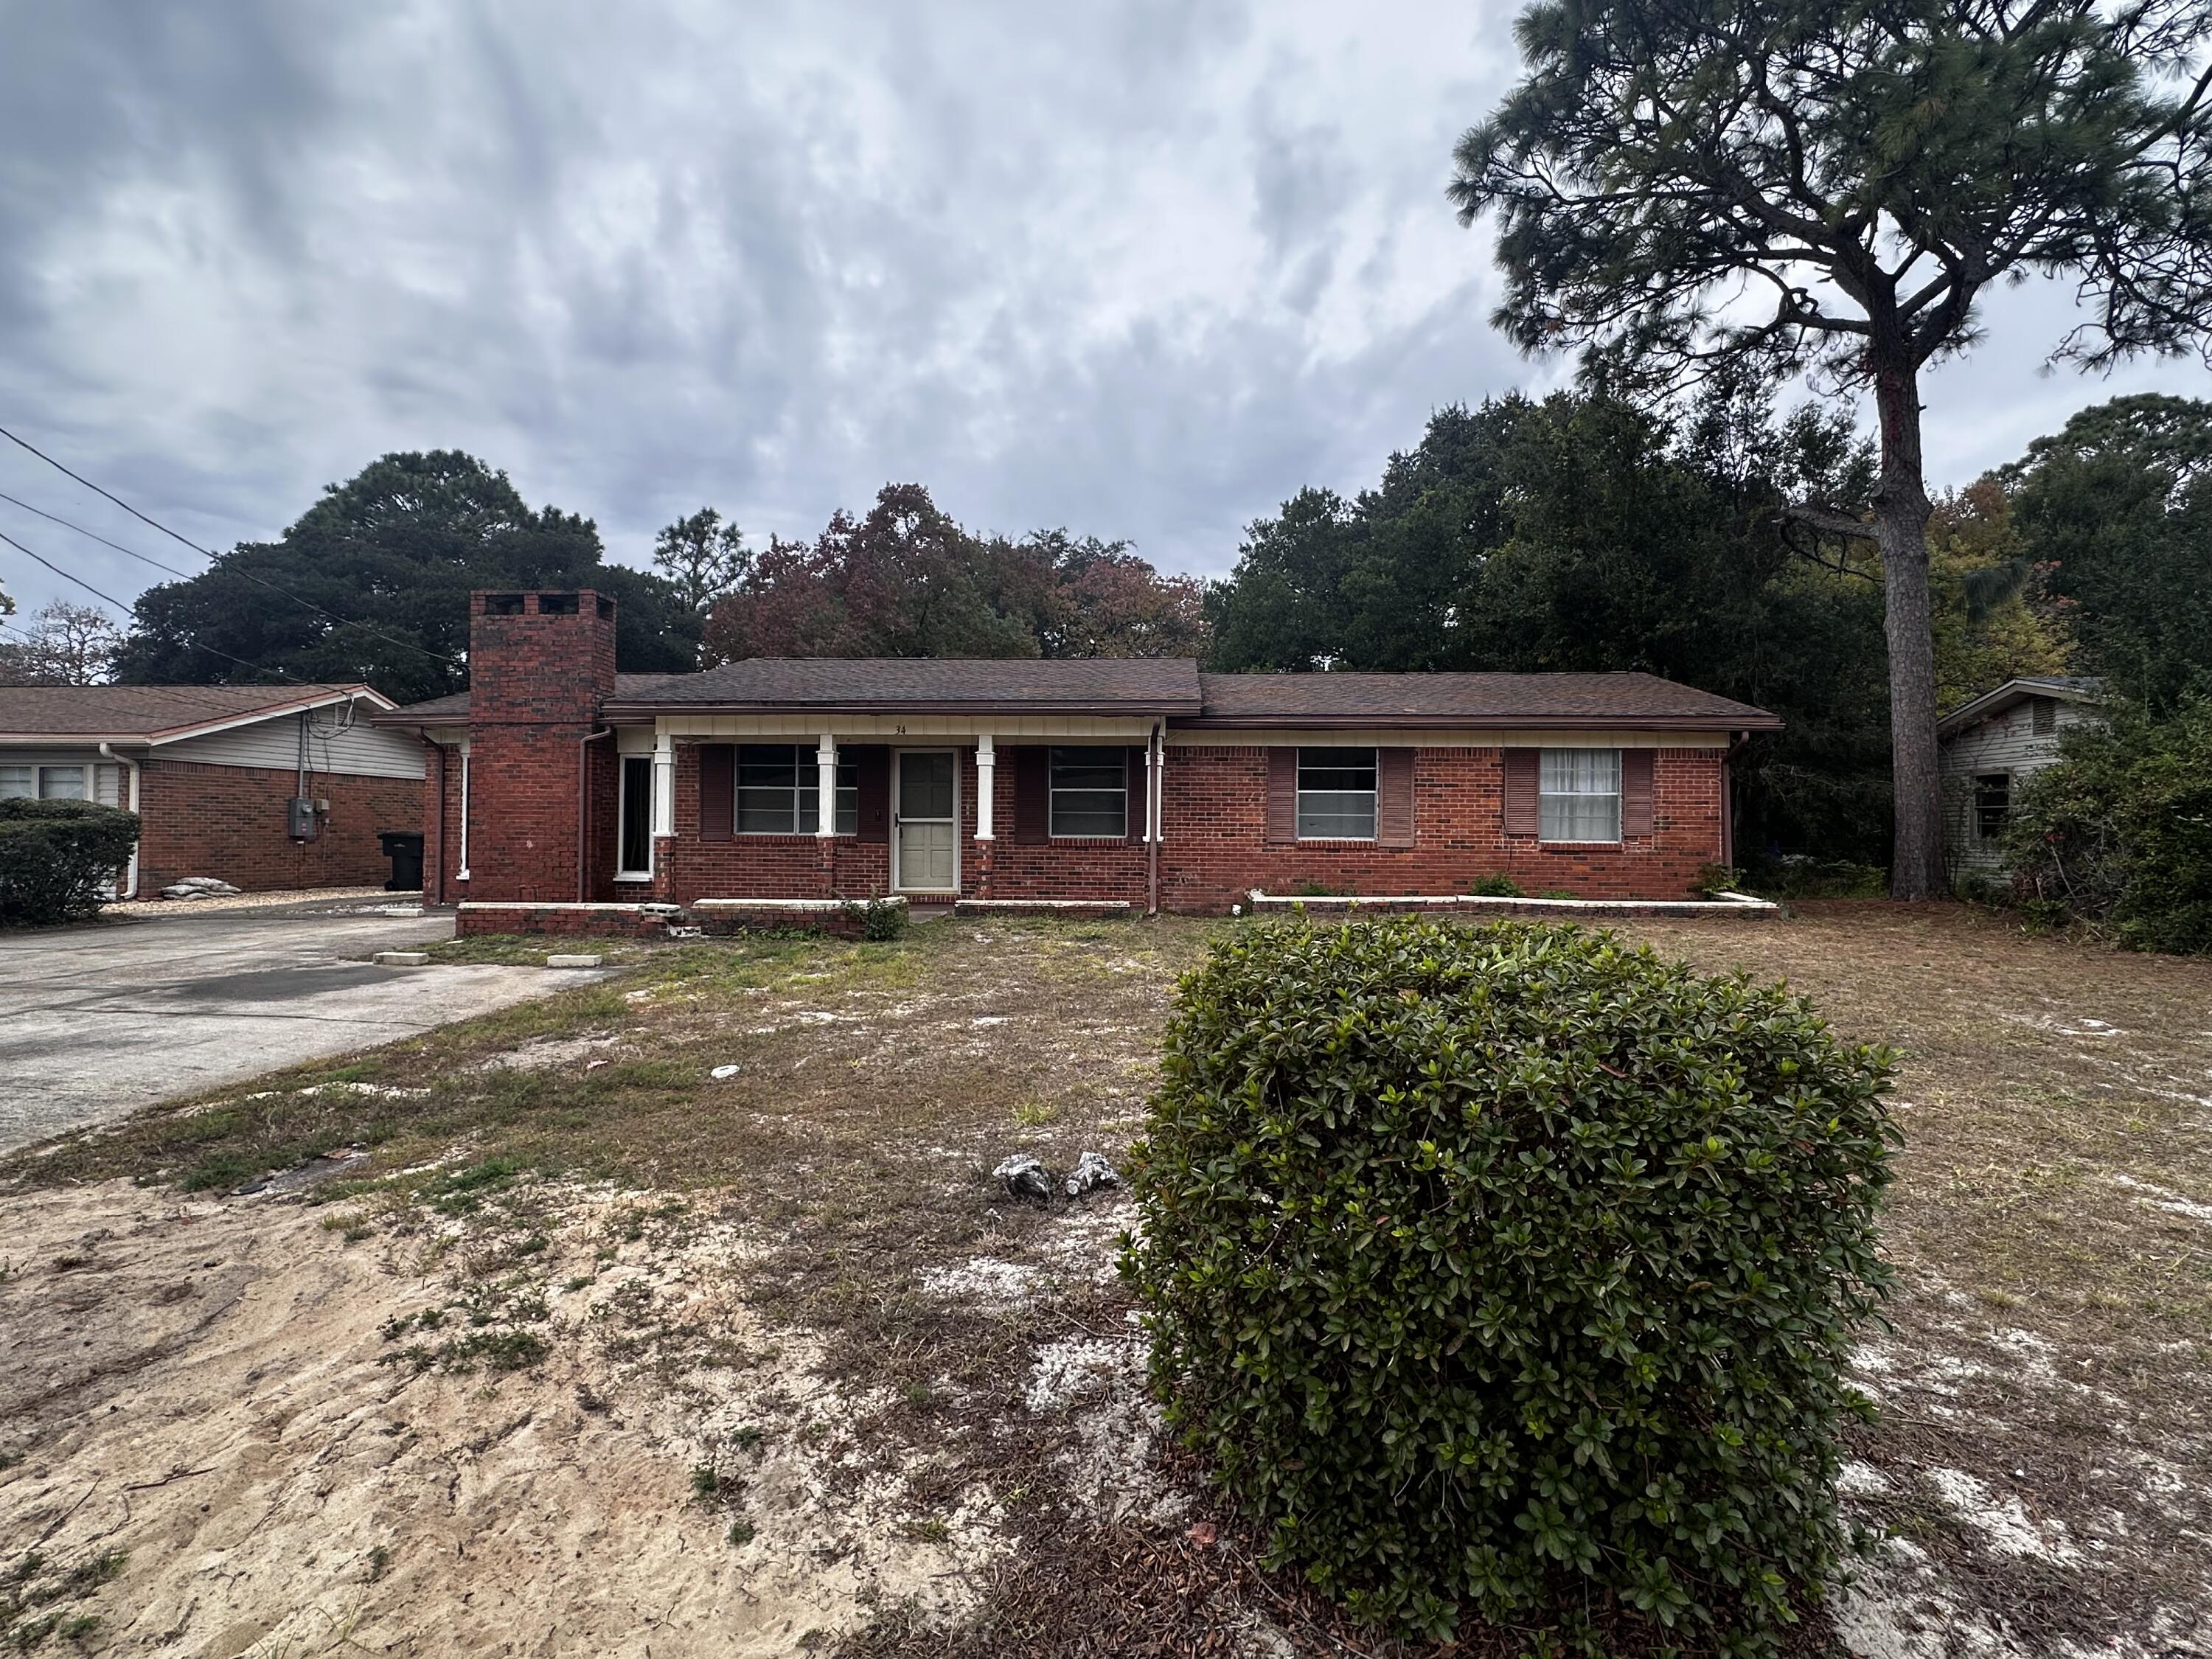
<point x="372" y="583"/>
<point x="906" y="580"/>
<point x="1793" y="186"/>
<point x="2115" y="510"/>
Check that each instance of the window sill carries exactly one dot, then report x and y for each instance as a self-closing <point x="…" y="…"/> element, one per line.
<point x="1571" y="846"/>
<point x="1092" y="841"/>
<point x="1338" y="841"/>
<point x="632" y="875"/>
<point x="793" y="836"/>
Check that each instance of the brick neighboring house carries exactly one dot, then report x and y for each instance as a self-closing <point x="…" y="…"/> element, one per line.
<point x="567" y="795"/>
<point x="212" y="771"/>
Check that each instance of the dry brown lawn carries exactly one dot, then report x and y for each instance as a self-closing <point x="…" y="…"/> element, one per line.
<point x="543" y="1340"/>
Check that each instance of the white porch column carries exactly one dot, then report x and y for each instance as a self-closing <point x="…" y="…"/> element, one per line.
<point x="1157" y="754"/>
<point x="825" y="759"/>
<point x="664" y="786"/>
<point x="986" y="763"/>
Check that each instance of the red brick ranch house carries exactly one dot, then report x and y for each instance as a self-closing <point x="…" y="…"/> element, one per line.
<point x="564" y="796"/>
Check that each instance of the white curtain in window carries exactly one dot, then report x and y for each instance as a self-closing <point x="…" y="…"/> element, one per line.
<point x="1580" y="792"/>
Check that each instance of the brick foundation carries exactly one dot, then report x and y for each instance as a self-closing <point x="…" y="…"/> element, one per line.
<point x="230" y="821"/>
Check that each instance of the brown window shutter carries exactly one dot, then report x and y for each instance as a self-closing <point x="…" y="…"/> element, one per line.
<point x="1282" y="795"/>
<point x="1636" y="791"/>
<point x="1032" y="795"/>
<point x="1394" y="797"/>
<point x="1132" y="824"/>
<point x="1524" y="770"/>
<point x="872" y="789"/>
<point x="718" y="791"/>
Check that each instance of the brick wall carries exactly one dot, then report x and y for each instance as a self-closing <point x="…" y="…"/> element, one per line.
<point x="1216" y="849"/>
<point x="535" y="676"/>
<point x="230" y="821"/>
<point x="791" y="866"/>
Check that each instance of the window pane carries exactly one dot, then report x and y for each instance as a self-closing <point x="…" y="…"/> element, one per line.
<point x="767" y="766"/>
<point x="1336" y="816"/>
<point x="1088" y="769"/>
<point x="15" y="782"/>
<point x="1336" y="768"/>
<point x="1089" y="812"/>
<point x="61" y="782"/>
<point x="767" y="812"/>
<point x="925" y="785"/>
<point x="636" y="852"/>
<point x="1579" y="792"/>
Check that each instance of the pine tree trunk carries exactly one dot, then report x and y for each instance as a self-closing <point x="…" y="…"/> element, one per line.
<point x="1901" y="512"/>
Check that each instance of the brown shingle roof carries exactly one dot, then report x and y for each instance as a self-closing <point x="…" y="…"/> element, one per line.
<point x="1469" y="699"/>
<point x="141" y="711"/>
<point x="452" y="708"/>
<point x="1162" y="685"/>
<point x="1115" y="684"/>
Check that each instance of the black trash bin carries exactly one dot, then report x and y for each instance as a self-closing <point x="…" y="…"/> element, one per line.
<point x="405" y="848"/>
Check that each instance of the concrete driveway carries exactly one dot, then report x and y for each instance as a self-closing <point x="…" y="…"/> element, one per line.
<point x="100" y="1021"/>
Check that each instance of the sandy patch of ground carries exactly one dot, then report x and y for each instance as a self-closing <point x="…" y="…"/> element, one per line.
<point x="207" y="1405"/>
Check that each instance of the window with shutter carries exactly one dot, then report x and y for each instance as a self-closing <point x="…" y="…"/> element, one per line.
<point x="1394" y="797"/>
<point x="1638" y="803"/>
<point x="1521" y="767"/>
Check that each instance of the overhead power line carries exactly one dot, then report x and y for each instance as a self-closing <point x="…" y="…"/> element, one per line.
<point x="257" y="667"/>
<point x="258" y="582"/>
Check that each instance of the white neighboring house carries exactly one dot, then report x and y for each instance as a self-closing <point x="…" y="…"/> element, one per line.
<point x="1990" y="746"/>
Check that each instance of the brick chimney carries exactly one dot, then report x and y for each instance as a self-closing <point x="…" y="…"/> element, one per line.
<point x="539" y="664"/>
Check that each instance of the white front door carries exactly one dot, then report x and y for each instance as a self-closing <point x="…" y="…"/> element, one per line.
<point x="925" y="811"/>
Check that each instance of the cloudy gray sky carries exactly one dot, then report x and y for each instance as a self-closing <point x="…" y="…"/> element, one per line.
<point x="1140" y="268"/>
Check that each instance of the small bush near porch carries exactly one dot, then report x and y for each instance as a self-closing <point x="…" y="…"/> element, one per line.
<point x="1513" y="1274"/>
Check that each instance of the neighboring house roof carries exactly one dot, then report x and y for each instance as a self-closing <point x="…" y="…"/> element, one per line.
<point x="155" y="713"/>
<point x="2065" y="688"/>
<point x="1464" y="699"/>
<point x="1160" y="686"/>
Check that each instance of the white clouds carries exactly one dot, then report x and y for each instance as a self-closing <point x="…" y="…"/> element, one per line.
<point x="1141" y="269"/>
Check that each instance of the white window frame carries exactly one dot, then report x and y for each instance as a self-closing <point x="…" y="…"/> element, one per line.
<point x="1372" y="796"/>
<point x="1549" y="762"/>
<point x="87" y="786"/>
<point x="806" y="761"/>
<point x="623" y="805"/>
<point x="1054" y="791"/>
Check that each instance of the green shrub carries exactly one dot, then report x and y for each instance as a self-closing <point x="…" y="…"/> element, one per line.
<point x="881" y="920"/>
<point x="56" y="856"/>
<point x="1793" y="876"/>
<point x="1511" y="1272"/>
<point x="1496" y="886"/>
<point x="2119" y="832"/>
<point x="1714" y="879"/>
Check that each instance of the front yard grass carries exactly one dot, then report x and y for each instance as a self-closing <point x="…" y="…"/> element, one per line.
<point x="2044" y="1458"/>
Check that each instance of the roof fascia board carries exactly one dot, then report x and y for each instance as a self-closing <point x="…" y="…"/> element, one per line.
<point x="275" y="711"/>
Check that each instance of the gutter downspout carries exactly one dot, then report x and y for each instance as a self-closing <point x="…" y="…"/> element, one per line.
<point x="107" y="753"/>
<point x="584" y="810"/>
<point x="433" y="881"/>
<point x="1155" y="809"/>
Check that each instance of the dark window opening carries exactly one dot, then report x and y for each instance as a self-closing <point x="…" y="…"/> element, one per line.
<point x="1090" y="792"/>
<point x="556" y="604"/>
<point x="1992" y="804"/>
<point x="1336" y="794"/>
<point x="606" y="607"/>
<point x="503" y="604"/>
<point x="636" y="851"/>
